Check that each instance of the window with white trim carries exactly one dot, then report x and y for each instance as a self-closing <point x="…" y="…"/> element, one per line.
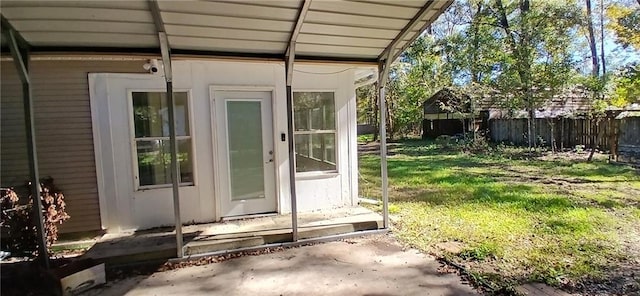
<point x="151" y="139"/>
<point x="315" y="131"/>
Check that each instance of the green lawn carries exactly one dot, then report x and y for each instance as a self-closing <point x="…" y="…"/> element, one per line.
<point x="511" y="219"/>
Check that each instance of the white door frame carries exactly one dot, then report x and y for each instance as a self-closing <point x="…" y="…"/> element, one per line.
<point x="215" y="137"/>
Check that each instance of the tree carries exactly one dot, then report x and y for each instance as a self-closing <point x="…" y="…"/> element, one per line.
<point x="592" y="42"/>
<point x="367" y="106"/>
<point x="537" y="39"/>
<point x="627" y="86"/>
<point x="625" y="23"/>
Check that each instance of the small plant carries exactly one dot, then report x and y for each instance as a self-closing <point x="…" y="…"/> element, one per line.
<point x="444" y="140"/>
<point x="19" y="234"/>
<point x="541" y="141"/>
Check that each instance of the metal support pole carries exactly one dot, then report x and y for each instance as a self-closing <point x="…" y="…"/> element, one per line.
<point x="21" y="60"/>
<point x="383" y="70"/>
<point x="292" y="155"/>
<point x="292" y="165"/>
<point x="173" y="145"/>
<point x="175" y="169"/>
<point x="165" y="50"/>
<point x="290" y="54"/>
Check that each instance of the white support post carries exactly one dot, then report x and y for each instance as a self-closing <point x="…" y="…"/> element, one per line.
<point x="173" y="142"/>
<point x="385" y="59"/>
<point x="290" y="56"/>
<point x="165" y="50"/>
<point x="292" y="155"/>
<point x="383" y="73"/>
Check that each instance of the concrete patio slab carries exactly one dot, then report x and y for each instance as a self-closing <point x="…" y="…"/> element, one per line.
<point x="371" y="265"/>
<point x="159" y="244"/>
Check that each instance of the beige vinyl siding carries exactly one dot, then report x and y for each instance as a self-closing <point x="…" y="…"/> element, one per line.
<point x="63" y="132"/>
<point x="14" y="167"/>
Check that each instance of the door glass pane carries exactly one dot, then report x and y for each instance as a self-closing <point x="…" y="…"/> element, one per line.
<point x="246" y="163"/>
<point x="154" y="162"/>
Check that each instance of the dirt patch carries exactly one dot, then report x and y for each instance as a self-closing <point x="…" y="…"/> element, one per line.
<point x="451" y="247"/>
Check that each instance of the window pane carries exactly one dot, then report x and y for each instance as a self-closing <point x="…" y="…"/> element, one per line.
<point x="151" y="117"/>
<point x="301" y="119"/>
<point x="302" y="145"/>
<point x="329" y="148"/>
<point x="314" y="111"/>
<point x="154" y="162"/>
<point x="315" y="152"/>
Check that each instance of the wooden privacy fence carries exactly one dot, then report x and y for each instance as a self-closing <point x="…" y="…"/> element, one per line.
<point x="567" y="132"/>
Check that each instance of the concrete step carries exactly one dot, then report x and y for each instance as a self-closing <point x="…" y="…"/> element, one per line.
<point x="215" y="243"/>
<point x="162" y="246"/>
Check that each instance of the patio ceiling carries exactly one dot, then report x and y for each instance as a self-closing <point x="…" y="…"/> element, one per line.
<point x="326" y="30"/>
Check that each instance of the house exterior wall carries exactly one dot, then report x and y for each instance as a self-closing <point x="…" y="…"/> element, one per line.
<point x="317" y="191"/>
<point x="63" y="132"/>
<point x="124" y="208"/>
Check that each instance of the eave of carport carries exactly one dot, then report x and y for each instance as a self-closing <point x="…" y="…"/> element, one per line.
<point x="364" y="31"/>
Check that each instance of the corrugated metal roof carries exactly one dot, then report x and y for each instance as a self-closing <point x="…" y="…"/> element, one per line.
<point x="330" y="29"/>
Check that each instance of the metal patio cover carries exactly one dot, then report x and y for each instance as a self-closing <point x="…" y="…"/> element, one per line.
<point x="371" y="31"/>
<point x="326" y="30"/>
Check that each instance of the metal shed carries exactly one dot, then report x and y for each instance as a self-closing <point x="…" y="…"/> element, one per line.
<point x="371" y="32"/>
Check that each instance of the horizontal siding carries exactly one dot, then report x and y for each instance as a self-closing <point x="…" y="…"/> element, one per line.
<point x="14" y="165"/>
<point x="64" y="134"/>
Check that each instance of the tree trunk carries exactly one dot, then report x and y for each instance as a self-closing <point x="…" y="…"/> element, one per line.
<point x="594" y="138"/>
<point x="531" y="129"/>
<point x="389" y="124"/>
<point x="376" y="109"/>
<point x="464" y="129"/>
<point x="562" y="134"/>
<point x="604" y="65"/>
<point x="595" y="71"/>
<point x="613" y="138"/>
<point x="553" y="135"/>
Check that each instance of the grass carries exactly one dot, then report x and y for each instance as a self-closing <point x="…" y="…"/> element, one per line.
<point x="363" y="139"/>
<point x="516" y="219"/>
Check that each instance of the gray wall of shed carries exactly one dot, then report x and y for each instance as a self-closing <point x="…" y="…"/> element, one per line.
<point x="64" y="137"/>
<point x="629" y="140"/>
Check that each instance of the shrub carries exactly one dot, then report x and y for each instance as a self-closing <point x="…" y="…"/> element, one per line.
<point x="19" y="232"/>
<point x="444" y="140"/>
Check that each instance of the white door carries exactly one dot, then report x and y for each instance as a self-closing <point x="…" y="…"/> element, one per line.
<point x="243" y="121"/>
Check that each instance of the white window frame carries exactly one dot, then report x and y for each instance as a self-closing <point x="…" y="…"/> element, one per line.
<point x="133" y="139"/>
<point x="312" y="132"/>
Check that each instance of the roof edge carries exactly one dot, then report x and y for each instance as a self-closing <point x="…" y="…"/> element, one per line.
<point x="185" y="54"/>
